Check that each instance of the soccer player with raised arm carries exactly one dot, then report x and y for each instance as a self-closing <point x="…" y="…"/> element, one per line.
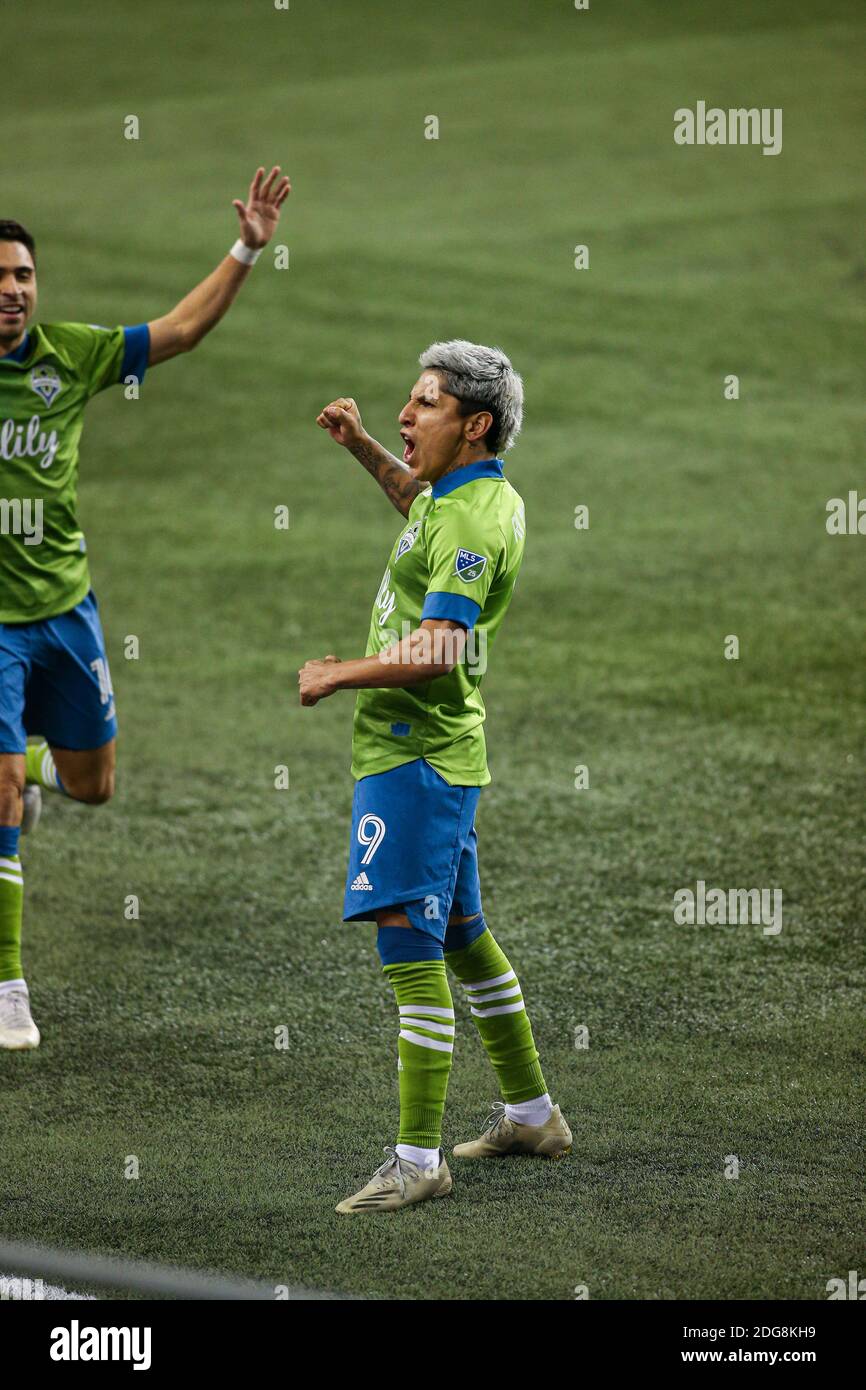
<point x="419" y="757"/>
<point x="55" y="684"/>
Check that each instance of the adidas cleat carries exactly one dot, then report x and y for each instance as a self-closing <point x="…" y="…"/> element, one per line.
<point x="32" y="798"/>
<point x="399" y="1183"/>
<point x="18" y="1032"/>
<point x="503" y="1136"/>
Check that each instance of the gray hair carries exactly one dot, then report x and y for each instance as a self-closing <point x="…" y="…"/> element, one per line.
<point x="483" y="379"/>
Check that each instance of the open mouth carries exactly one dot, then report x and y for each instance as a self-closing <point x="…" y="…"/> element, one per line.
<point x="408" y="446"/>
<point x="13" y="313"/>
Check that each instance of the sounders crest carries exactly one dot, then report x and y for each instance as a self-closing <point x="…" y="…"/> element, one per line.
<point x="45" y="381"/>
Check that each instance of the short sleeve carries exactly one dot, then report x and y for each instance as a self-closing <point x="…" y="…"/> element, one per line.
<point x="116" y="355"/>
<point x="463" y="556"/>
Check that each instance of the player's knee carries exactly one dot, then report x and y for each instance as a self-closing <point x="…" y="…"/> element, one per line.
<point x="11" y="791"/>
<point x="93" y="790"/>
<point x="102" y="790"/>
<point x="398" y="945"/>
<point x="460" y="934"/>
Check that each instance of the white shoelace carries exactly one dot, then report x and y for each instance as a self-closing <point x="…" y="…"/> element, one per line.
<point x="496" y="1116"/>
<point x="394" y="1161"/>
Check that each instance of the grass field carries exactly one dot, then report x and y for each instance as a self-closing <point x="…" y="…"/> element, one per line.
<point x="707" y="518"/>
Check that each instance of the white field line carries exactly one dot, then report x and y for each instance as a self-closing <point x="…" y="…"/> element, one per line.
<point x="31" y="1267"/>
<point x="19" y="1289"/>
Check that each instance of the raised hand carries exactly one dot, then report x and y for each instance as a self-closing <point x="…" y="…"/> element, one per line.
<point x="342" y="420"/>
<point x="260" y="214"/>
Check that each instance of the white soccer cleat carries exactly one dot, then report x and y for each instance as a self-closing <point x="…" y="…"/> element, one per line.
<point x="32" y="798"/>
<point x="18" y="1032"/>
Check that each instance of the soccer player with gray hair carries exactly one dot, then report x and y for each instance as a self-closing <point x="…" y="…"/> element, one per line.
<point x="419" y="759"/>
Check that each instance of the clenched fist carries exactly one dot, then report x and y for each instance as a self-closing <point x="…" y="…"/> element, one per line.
<point x="342" y="420"/>
<point x="316" y="680"/>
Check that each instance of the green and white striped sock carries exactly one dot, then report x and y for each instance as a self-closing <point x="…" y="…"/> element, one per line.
<point x="496" y="1001"/>
<point x="11" y="914"/>
<point x="39" y="766"/>
<point x="425" y="1045"/>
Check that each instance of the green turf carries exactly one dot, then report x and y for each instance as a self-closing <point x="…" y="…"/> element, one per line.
<point x="707" y="518"/>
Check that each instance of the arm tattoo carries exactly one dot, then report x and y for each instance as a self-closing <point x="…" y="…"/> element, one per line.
<point x="393" y="477"/>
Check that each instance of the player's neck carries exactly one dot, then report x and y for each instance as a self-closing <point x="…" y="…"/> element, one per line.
<point x="6" y="349"/>
<point x="464" y="459"/>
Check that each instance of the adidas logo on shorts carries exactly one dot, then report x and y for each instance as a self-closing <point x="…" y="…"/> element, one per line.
<point x="361" y="884"/>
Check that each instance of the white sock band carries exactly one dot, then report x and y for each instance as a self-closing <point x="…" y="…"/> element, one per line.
<point x="425" y="1159"/>
<point x="48" y="769"/>
<point x="531" y="1112"/>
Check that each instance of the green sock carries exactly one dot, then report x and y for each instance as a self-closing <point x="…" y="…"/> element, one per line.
<point x="497" y="1006"/>
<point x="39" y="766"/>
<point x="426" y="1044"/>
<point x="11" y="913"/>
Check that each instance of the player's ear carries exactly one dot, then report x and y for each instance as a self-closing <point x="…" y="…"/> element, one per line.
<point x="478" y="425"/>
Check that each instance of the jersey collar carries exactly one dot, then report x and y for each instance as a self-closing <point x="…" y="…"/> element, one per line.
<point x="37" y="344"/>
<point x="20" y="353"/>
<point x="485" y="468"/>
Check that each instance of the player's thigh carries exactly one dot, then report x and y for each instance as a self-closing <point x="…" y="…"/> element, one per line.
<point x="409" y="827"/>
<point x="466" y="919"/>
<point x="392" y="917"/>
<point x="87" y="774"/>
<point x="14" y="667"/>
<point x="70" y="701"/>
<point x="395" y="917"/>
<point x="466" y="899"/>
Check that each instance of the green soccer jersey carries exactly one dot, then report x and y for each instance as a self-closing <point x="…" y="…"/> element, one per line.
<point x="44" y="386"/>
<point x="458" y="557"/>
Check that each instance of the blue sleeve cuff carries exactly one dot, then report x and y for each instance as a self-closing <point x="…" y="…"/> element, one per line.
<point x="136" y="351"/>
<point x="455" y="607"/>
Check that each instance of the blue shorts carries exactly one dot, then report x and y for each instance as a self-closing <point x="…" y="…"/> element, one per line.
<point x="54" y="681"/>
<point x="413" y="848"/>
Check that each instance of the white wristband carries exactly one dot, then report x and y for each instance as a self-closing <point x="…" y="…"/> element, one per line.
<point x="245" y="254"/>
